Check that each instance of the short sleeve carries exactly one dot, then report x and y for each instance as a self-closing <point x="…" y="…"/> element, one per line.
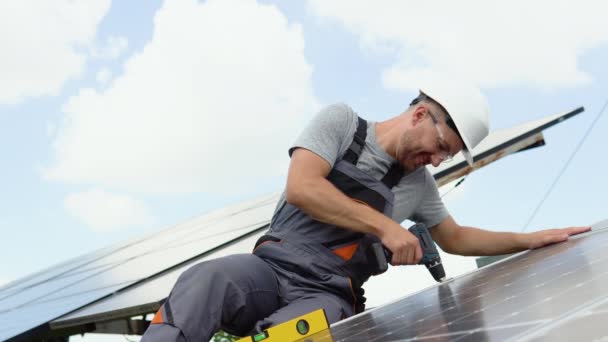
<point x="329" y="133"/>
<point x="431" y="210"/>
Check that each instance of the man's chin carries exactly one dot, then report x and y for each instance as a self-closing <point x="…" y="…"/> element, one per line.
<point x="411" y="166"/>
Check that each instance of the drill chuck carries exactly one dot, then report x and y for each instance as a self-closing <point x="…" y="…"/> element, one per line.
<point x="437" y="271"/>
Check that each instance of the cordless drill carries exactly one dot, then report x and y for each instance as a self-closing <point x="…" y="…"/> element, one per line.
<point x="430" y="256"/>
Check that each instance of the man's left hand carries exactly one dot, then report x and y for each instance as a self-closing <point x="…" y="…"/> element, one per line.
<point x="550" y="236"/>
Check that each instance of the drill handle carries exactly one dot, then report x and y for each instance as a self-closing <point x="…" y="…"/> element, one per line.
<point x="382" y="256"/>
<point x="388" y="255"/>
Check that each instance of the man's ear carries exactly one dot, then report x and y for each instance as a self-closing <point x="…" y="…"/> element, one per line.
<point x="418" y="115"/>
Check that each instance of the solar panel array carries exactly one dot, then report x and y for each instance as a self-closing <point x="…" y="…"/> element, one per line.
<point x="556" y="293"/>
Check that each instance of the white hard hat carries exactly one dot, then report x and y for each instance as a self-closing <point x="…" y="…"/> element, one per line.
<point x="467" y="107"/>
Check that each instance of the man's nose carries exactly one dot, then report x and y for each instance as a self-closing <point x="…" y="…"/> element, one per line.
<point x="436" y="160"/>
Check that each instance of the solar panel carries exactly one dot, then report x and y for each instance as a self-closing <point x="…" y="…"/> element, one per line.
<point x="545" y="294"/>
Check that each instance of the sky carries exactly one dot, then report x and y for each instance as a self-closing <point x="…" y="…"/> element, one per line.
<point x="120" y="118"/>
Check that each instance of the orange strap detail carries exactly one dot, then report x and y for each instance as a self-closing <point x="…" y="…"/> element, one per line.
<point x="346" y="252"/>
<point x="158" y="318"/>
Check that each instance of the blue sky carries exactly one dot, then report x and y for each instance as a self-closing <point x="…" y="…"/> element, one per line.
<point x="120" y="118"/>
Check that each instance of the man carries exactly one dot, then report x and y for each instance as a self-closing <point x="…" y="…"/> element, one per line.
<point x="350" y="183"/>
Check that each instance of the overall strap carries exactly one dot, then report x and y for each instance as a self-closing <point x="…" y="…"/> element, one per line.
<point x="393" y="175"/>
<point x="355" y="148"/>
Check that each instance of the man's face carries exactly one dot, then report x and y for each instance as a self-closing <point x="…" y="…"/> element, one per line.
<point x="429" y="141"/>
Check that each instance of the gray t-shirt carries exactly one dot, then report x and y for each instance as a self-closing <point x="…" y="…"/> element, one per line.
<point x="330" y="134"/>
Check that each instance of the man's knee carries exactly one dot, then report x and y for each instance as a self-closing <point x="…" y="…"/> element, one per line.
<point x="209" y="269"/>
<point x="228" y="267"/>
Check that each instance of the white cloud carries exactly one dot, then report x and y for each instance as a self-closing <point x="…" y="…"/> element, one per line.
<point x="210" y="104"/>
<point x="114" y="47"/>
<point x="103" y="76"/>
<point x="507" y="43"/>
<point x="103" y="211"/>
<point x="42" y="44"/>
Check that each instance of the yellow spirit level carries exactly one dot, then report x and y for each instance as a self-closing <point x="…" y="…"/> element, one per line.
<point x="293" y="330"/>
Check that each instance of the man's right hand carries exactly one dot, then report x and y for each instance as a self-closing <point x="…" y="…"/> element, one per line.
<point x="403" y="244"/>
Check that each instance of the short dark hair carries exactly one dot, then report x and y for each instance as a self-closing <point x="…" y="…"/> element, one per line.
<point x="422" y="97"/>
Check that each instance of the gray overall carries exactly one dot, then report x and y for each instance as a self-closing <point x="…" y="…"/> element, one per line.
<point x="299" y="266"/>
